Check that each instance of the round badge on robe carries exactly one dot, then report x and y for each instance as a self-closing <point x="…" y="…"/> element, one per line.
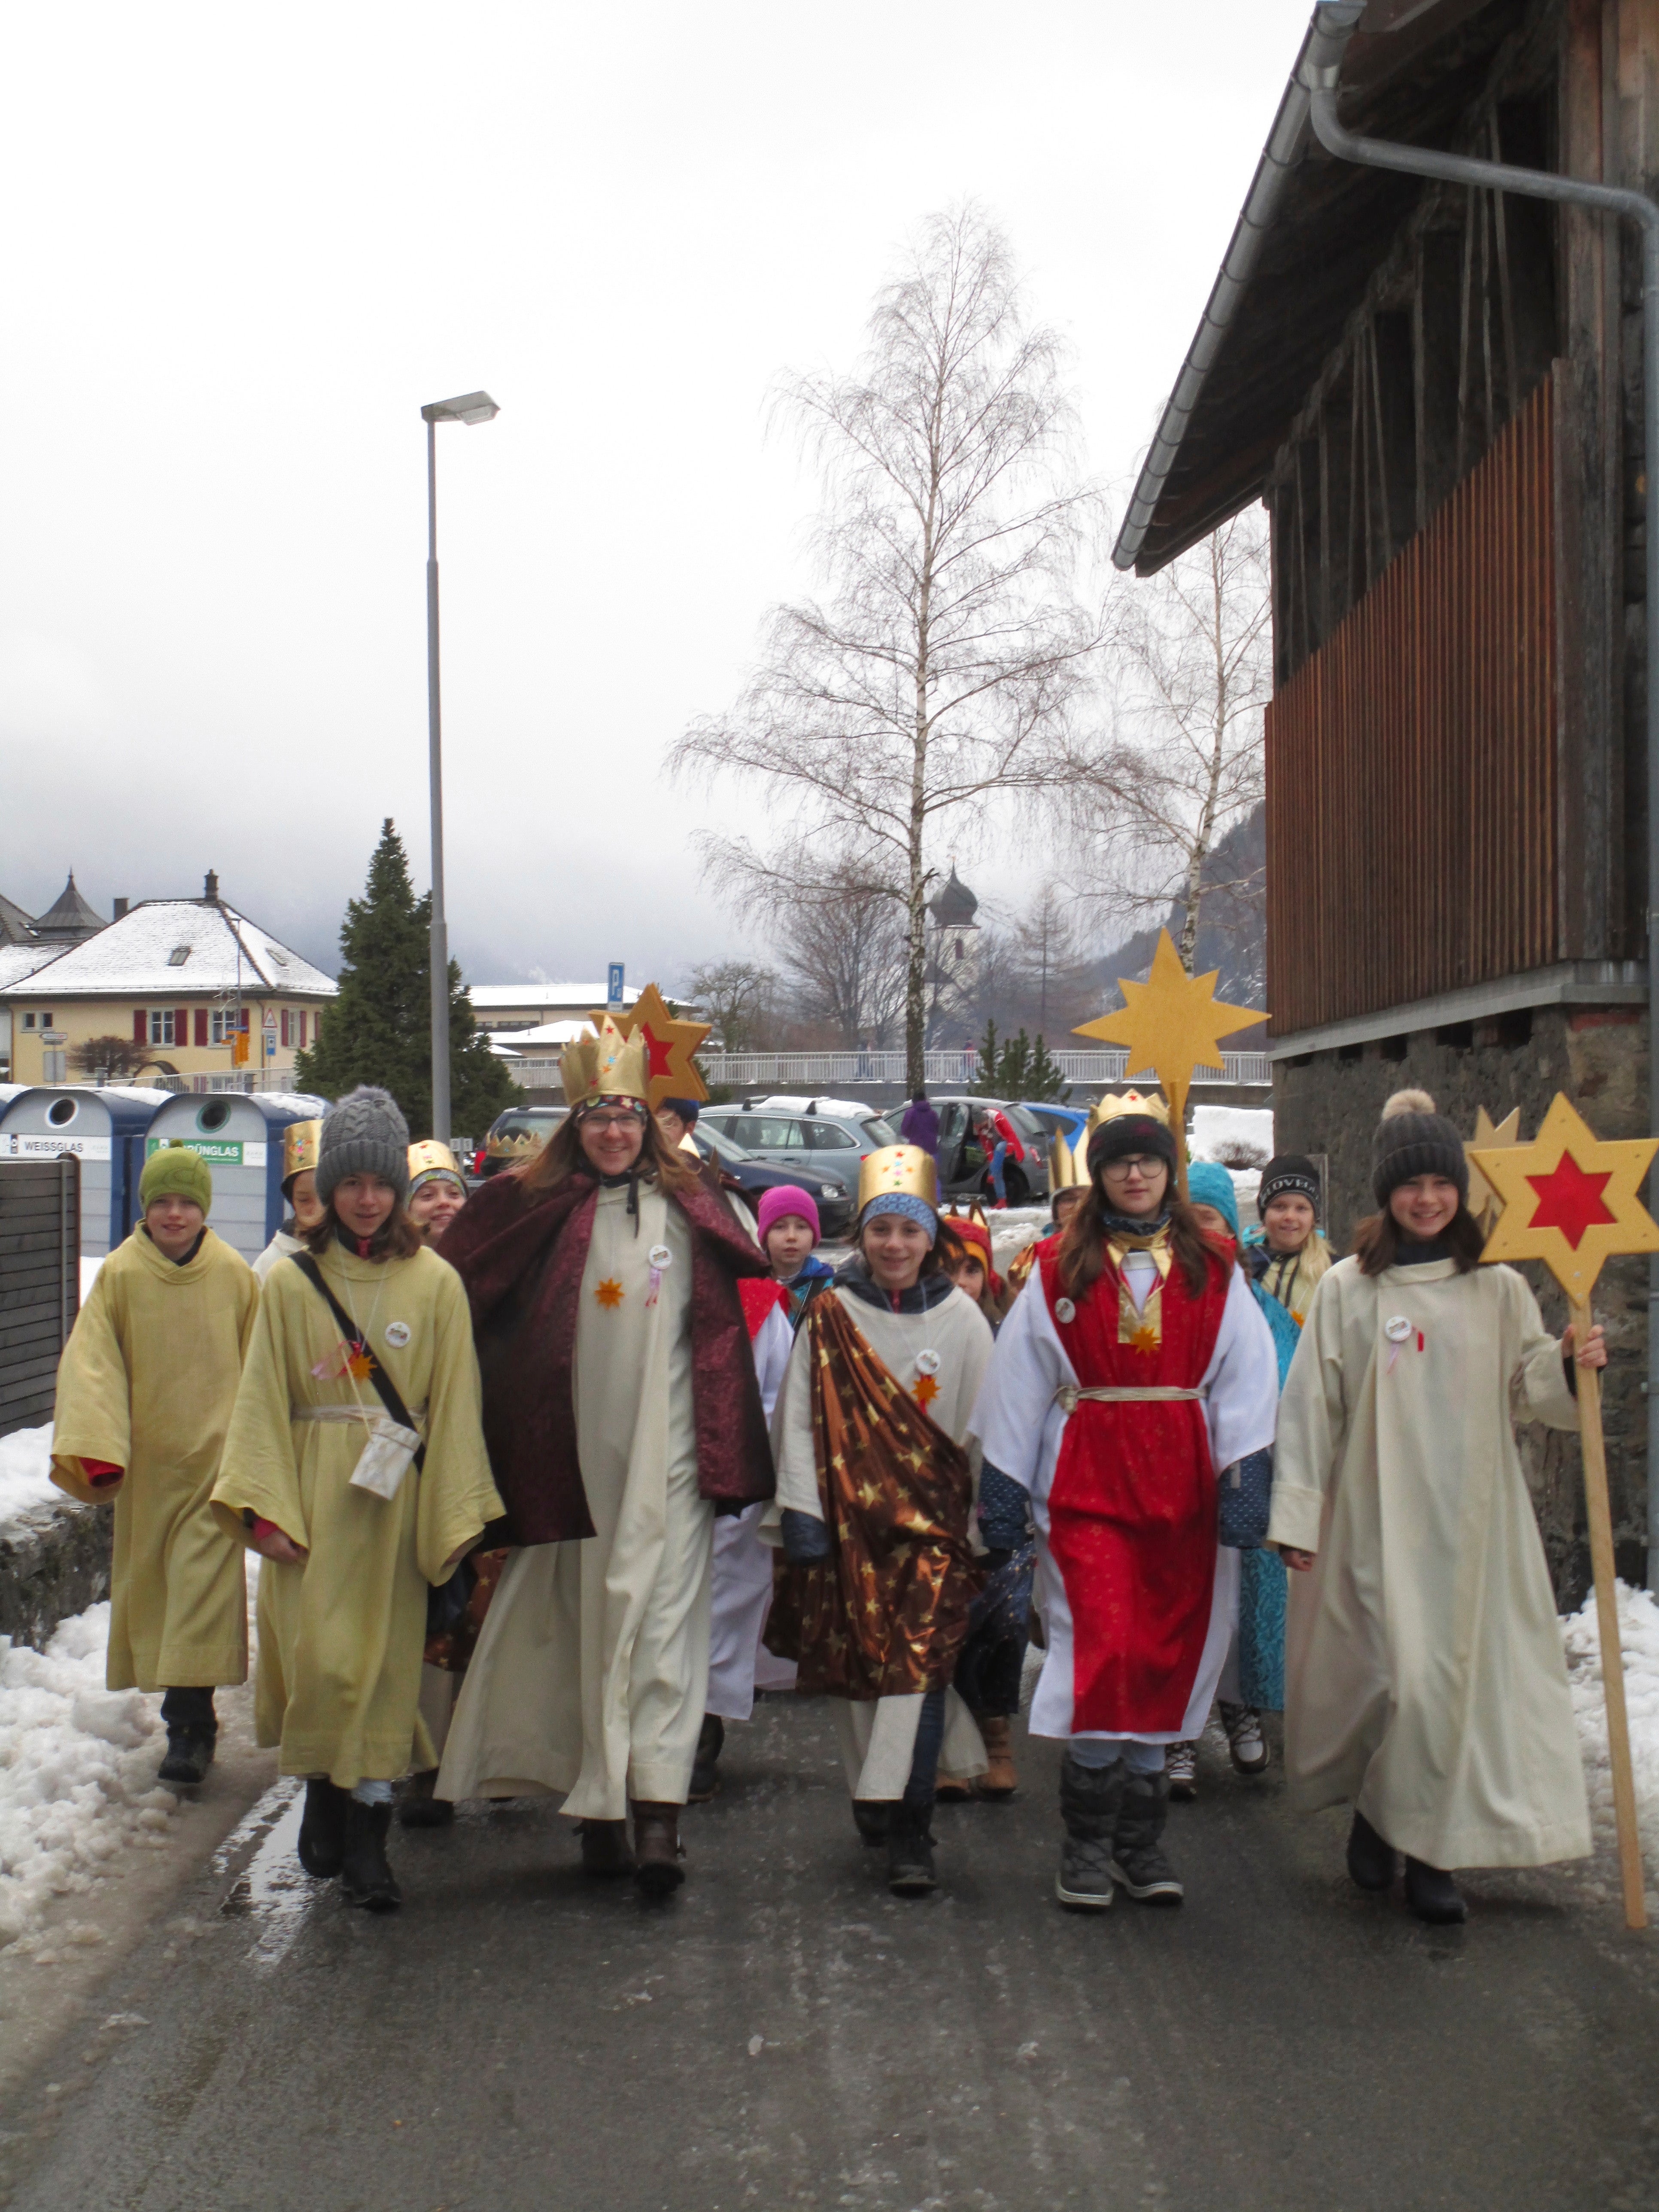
<point x="1064" y="1310"/>
<point x="927" y="1363"/>
<point x="661" y="1256"/>
<point x="1396" y="1328"/>
<point x="398" y="1334"/>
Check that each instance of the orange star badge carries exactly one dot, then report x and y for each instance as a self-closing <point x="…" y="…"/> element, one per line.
<point x="926" y="1389"/>
<point x="1569" y="1199"/>
<point x="360" y="1366"/>
<point x="671" y="1070"/>
<point x="608" y="1292"/>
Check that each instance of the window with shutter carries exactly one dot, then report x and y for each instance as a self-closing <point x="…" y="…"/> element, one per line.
<point x="202" y="1025"/>
<point x="302" y="1032"/>
<point x="286" y="1039"/>
<point x="181" y="1025"/>
<point x="140" y="1026"/>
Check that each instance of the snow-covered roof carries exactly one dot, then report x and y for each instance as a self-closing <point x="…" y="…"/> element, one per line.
<point x="581" y="997"/>
<point x="140" y="954"/>
<point x="545" y="1033"/>
<point x="19" y="961"/>
<point x="15" y="925"/>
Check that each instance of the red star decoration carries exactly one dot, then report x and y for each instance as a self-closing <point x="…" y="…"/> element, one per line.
<point x="657" y="1052"/>
<point x="1569" y="1200"/>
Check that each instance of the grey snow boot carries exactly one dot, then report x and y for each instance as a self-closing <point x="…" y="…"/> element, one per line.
<point x="1137" y="1861"/>
<point x="1089" y="1798"/>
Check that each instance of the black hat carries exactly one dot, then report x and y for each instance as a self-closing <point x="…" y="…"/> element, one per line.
<point x="1128" y="1134"/>
<point x="1413" y="1139"/>
<point x="1290" y="1176"/>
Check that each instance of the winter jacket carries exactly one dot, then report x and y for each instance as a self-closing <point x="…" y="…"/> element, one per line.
<point x="920" y="1126"/>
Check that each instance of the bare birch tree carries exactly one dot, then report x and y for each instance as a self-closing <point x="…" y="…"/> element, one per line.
<point x="939" y="670"/>
<point x="1190" y="655"/>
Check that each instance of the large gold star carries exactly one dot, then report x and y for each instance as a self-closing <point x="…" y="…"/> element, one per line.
<point x="1569" y="1199"/>
<point x="671" y="1070"/>
<point x="1171" y="1023"/>
<point x="1484" y="1204"/>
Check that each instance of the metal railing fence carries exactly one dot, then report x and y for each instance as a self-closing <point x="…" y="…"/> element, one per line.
<point x="820" y="1070"/>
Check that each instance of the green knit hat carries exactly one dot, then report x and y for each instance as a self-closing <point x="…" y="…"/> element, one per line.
<point x="174" y="1171"/>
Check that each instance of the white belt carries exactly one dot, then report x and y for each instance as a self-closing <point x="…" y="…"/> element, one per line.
<point x="1155" y="1394"/>
<point x="345" y="1413"/>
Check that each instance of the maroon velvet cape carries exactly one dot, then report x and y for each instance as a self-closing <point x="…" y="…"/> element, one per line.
<point x="522" y="1266"/>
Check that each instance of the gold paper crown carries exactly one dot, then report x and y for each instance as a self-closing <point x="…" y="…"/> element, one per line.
<point x="428" y="1158"/>
<point x="1108" y="1108"/>
<point x="898" y="1169"/>
<point x="517" y="1146"/>
<point x="300" y="1143"/>
<point x="608" y="1066"/>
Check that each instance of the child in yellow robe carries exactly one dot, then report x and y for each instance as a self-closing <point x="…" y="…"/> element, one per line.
<point x="145" y="1389"/>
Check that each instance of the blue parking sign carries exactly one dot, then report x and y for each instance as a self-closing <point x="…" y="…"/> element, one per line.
<point x="613" y="989"/>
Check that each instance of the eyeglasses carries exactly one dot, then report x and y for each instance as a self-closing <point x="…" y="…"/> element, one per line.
<point x="1140" y="1164"/>
<point x="611" y="1120"/>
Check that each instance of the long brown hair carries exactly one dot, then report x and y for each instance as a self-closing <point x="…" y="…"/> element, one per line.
<point x="563" y="1155"/>
<point x="1377" y="1240"/>
<point x="396" y="1237"/>
<point x="1083" y="1245"/>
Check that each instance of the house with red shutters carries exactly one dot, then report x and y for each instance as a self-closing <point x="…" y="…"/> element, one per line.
<point x="192" y="987"/>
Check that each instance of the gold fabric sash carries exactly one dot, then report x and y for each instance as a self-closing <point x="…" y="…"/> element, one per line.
<point x="1163" y="1394"/>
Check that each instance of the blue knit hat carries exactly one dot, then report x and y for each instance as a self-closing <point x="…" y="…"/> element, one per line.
<point x="901" y="1202"/>
<point x="1209" y="1185"/>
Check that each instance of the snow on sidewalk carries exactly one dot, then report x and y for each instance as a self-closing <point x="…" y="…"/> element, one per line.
<point x="26" y="1476"/>
<point x="1639" y="1637"/>
<point x="77" y="1778"/>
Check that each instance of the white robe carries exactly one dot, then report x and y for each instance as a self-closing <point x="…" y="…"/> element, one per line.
<point x="590" y="1674"/>
<point x="739" y="1663"/>
<point x="280" y="1247"/>
<point x="878" y="1736"/>
<point x="1424" y="1673"/>
<point x="1019" y="1424"/>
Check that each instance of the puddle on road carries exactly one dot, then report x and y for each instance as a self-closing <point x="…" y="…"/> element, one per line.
<point x="272" y="1890"/>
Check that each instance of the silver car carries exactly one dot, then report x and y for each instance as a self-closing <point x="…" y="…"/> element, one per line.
<point x="821" y="1137"/>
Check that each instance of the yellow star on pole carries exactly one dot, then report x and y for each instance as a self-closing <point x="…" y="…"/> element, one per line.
<point x="671" y="1070"/>
<point x="1484" y="1204"/>
<point x="1171" y="1023"/>
<point x="1569" y="1199"/>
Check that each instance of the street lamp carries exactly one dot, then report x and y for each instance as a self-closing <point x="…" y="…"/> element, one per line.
<point x="470" y="407"/>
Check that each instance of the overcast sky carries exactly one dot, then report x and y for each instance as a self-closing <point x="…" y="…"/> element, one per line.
<point x="244" y="244"/>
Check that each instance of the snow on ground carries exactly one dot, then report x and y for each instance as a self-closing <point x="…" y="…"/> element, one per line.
<point x="1216" y="1126"/>
<point x="1638" y="1638"/>
<point x="25" y="1475"/>
<point x="89" y="1267"/>
<point x="77" y="1779"/>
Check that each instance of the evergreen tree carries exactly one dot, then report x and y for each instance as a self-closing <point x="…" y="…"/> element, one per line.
<point x="1016" y="1068"/>
<point x="377" y="1030"/>
<point x="1042" y="1079"/>
<point x="989" y="1056"/>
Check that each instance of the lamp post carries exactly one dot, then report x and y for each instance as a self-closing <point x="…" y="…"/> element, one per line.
<point x="470" y="407"/>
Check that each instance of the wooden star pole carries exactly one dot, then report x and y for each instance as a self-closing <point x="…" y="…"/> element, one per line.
<point x="1572" y="1201"/>
<point x="1171" y="1023"/>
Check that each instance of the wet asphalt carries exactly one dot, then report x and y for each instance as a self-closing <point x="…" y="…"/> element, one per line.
<point x="784" y="2033"/>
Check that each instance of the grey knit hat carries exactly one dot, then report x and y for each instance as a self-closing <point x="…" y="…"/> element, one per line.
<point x="365" y="1134"/>
<point x="1413" y="1139"/>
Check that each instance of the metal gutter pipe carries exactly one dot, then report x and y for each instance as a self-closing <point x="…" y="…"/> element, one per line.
<point x="1319" y="71"/>
<point x="1260" y="211"/>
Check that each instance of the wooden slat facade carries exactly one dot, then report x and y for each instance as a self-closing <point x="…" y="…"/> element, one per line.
<point x="40" y="1283"/>
<point x="1413" y="800"/>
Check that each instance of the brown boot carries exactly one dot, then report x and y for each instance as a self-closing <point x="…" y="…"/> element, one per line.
<point x="950" y="1791"/>
<point x="657" y="1848"/>
<point x="999" y="1779"/>
<point x="605" y="1848"/>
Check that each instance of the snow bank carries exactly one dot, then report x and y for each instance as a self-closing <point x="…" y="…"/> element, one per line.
<point x="77" y="1778"/>
<point x="89" y="1267"/>
<point x="25" y="1475"/>
<point x="1216" y="1126"/>
<point x="1638" y="1638"/>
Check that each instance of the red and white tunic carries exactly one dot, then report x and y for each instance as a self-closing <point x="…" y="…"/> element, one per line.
<point x="1138" y="1599"/>
<point x="738" y="1664"/>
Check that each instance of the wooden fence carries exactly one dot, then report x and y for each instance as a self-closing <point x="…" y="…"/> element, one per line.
<point x="39" y="1282"/>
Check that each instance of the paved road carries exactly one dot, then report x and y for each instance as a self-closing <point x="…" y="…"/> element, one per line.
<point x="786" y="2034"/>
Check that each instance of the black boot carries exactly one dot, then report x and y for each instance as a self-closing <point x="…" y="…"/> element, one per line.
<point x="190" y="1754"/>
<point x="909" y="1851"/>
<point x="1137" y="1861"/>
<point x="705" y="1772"/>
<point x="366" y="1875"/>
<point x="1433" y="1895"/>
<point x="323" y="1829"/>
<point x="870" y="1817"/>
<point x="1370" y="1860"/>
<point x="1090" y="1799"/>
<point x="418" y="1807"/>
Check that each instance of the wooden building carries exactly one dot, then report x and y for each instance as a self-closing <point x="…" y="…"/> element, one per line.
<point x="1437" y="392"/>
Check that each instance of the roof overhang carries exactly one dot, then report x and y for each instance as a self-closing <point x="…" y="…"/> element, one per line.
<point x="1311" y="234"/>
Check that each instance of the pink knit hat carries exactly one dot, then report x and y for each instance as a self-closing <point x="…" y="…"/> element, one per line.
<point x="784" y="1199"/>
